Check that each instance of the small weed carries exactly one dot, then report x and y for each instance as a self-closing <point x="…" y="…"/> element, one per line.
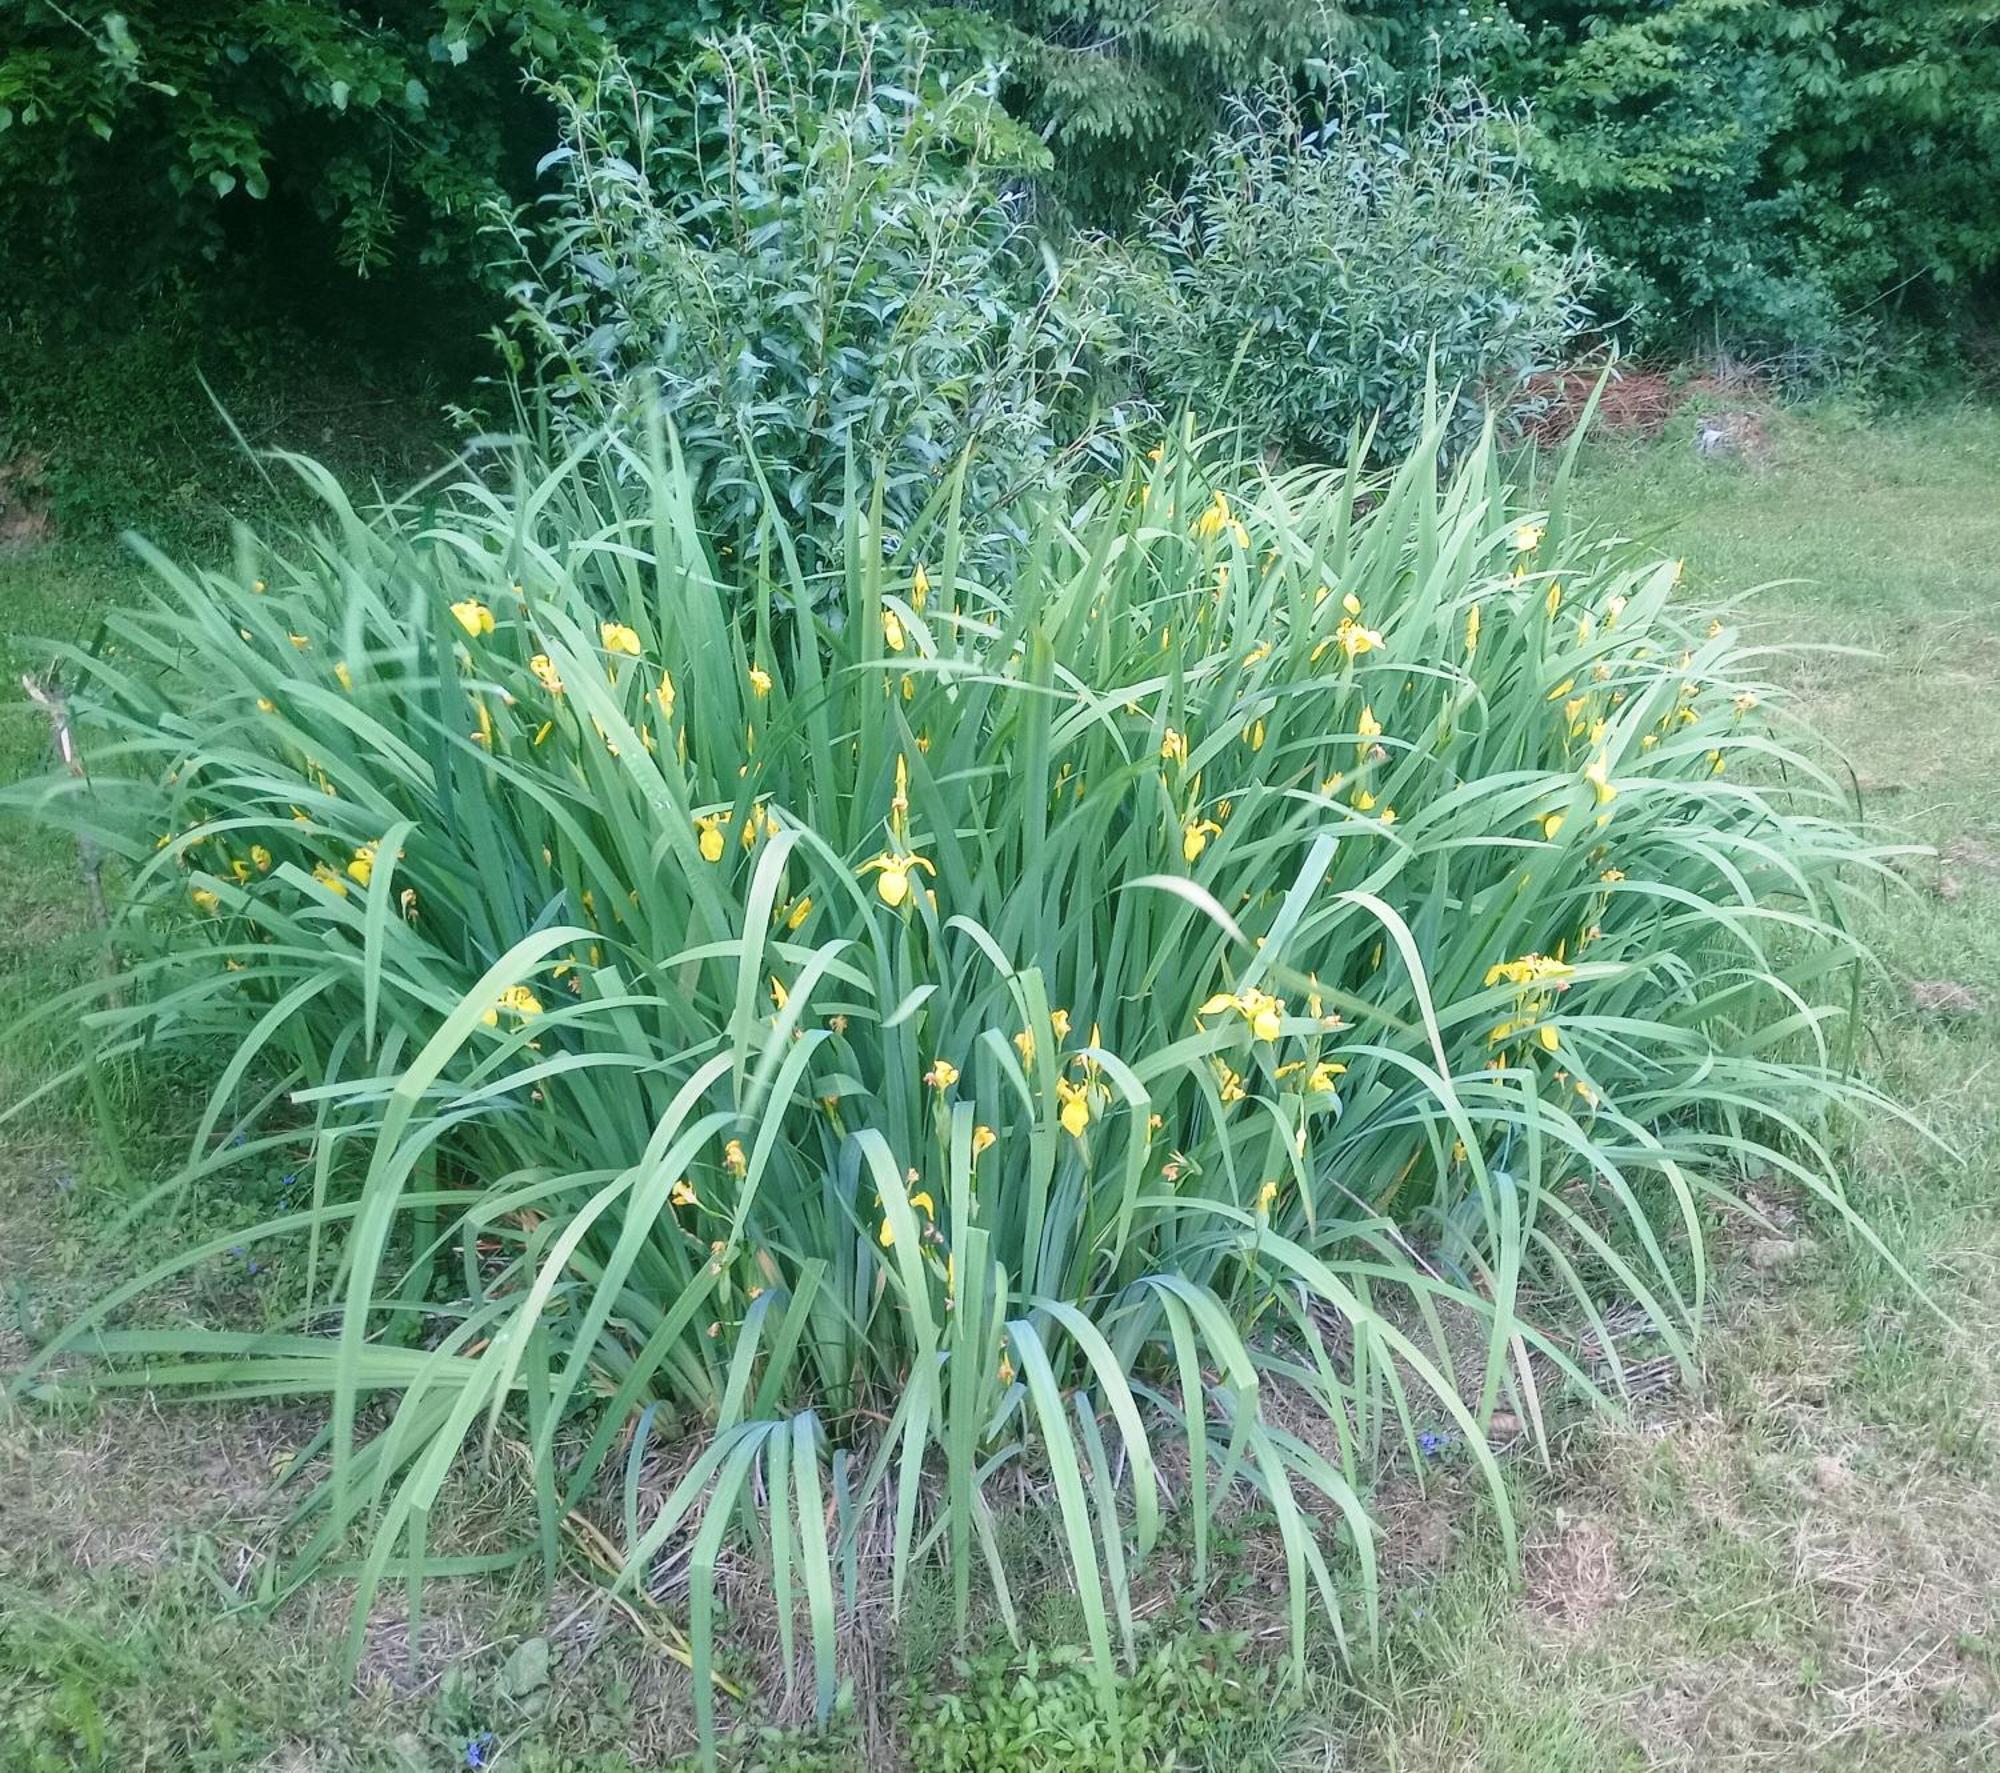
<point x="1021" y="1713"/>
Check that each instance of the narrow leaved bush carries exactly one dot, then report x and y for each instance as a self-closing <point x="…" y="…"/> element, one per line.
<point x="1173" y="1027"/>
<point x="1309" y="279"/>
<point x="810" y="249"/>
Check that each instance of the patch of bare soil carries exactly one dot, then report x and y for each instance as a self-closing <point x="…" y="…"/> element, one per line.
<point x="1971" y="855"/>
<point x="1944" y="997"/>
<point x="24" y="517"/>
<point x="1419" y="1532"/>
<point x="126" y="1486"/>
<point x="1963" y="858"/>
<point x="1573" y="1573"/>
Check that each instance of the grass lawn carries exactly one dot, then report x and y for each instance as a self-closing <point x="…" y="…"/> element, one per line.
<point x="1795" y="1565"/>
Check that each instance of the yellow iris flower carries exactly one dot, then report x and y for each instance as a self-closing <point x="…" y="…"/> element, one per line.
<point x="1194" y="838"/>
<point x="892" y="871"/>
<point x="1074" y="1113"/>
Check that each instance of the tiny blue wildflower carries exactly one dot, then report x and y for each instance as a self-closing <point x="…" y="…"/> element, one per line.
<point x="477" y="1748"/>
<point x="1431" y="1444"/>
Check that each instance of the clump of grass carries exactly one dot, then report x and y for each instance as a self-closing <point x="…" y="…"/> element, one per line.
<point x="1117" y="1027"/>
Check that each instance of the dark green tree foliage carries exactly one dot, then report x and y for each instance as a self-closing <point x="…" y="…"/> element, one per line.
<point x="1659" y="130"/>
<point x="1770" y="176"/>
<point x="146" y="127"/>
<point x="1122" y="88"/>
<point x="1763" y="175"/>
<point x="1901" y="111"/>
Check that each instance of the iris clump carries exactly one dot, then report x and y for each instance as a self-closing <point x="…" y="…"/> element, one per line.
<point x="1131" y="1040"/>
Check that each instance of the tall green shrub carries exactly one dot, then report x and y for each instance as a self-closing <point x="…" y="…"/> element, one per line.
<point x="1253" y="986"/>
<point x="1304" y="282"/>
<point x="808" y="257"/>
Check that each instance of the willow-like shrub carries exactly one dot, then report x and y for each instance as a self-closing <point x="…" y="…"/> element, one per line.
<point x="1319" y="940"/>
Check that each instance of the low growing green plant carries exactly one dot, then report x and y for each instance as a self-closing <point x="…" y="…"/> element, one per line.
<point x="1019" y="1713"/>
<point x="1155" y="1033"/>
